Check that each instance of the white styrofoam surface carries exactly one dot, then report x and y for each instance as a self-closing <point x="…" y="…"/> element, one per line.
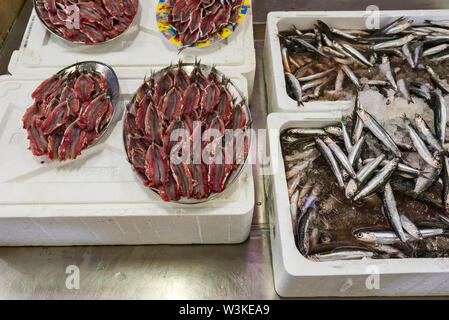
<point x="97" y="199"/>
<point x="278" y="99"/>
<point x="296" y="276"/>
<point x="130" y="54"/>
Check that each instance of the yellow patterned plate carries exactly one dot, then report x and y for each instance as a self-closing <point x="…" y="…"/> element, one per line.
<point x="169" y="33"/>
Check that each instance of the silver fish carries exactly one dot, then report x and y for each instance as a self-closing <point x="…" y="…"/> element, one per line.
<point x="339" y="80"/>
<point x="402" y="86"/>
<point x="439" y="115"/>
<point x="343" y="34"/>
<point x="417" y="54"/>
<point x="390" y="237"/>
<point x="441" y="23"/>
<point x="378" y="83"/>
<point x="329" y="156"/>
<point x="285" y="61"/>
<point x="408" y="55"/>
<point x="341" y="157"/>
<point x="386" y="70"/>
<point x="445" y="178"/>
<point x="410" y="227"/>
<point x="392" y="213"/>
<point x="333" y="52"/>
<point x="394" y="43"/>
<point x="356" y="151"/>
<point x="356" y="54"/>
<point x="436" y="79"/>
<point x="378" y="181"/>
<point x="342" y="254"/>
<point x="399" y="27"/>
<point x="401" y="167"/>
<point x="309" y="47"/>
<point x="435" y="50"/>
<point x="378" y="131"/>
<point x="305" y="132"/>
<point x="295" y="87"/>
<point x="364" y="173"/>
<point x="294" y="205"/>
<point x="303" y="230"/>
<point x="333" y="130"/>
<point x="357" y="123"/>
<point x="427" y="133"/>
<point x="292" y="184"/>
<point x="351" y="76"/>
<point x="316" y="75"/>
<point x="346" y="138"/>
<point x="425" y="181"/>
<point x="314" y="83"/>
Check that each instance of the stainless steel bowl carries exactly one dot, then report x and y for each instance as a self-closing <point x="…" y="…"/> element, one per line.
<point x="239" y="98"/>
<point x="58" y="34"/>
<point x="114" y="89"/>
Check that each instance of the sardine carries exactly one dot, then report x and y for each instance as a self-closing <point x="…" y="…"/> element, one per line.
<point x="386" y="70"/>
<point x="427" y="133"/>
<point x="378" y="131"/>
<point x="390" y="237"/>
<point x="411" y="228"/>
<point x="392" y="213"/>
<point x="329" y="157"/>
<point x="363" y="175"/>
<point x="294" y="86"/>
<point x="378" y="181"/>
<point x="421" y="146"/>
<point x="341" y="157"/>
<point x="346" y="138"/>
<point x="356" y="151"/>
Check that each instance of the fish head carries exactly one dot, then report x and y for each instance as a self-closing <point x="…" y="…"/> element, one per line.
<point x="365" y="236"/>
<point x="351" y="189"/>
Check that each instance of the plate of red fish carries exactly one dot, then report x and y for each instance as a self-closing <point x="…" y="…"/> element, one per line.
<point x="199" y="23"/>
<point x="187" y="133"/>
<point x="72" y="110"/>
<point x="86" y="21"/>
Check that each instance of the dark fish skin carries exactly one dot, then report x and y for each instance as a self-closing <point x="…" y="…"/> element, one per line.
<point x="302" y="227"/>
<point x="440" y="116"/>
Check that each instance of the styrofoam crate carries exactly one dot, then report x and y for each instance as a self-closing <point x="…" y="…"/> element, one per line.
<point x="278" y="99"/>
<point x="296" y="276"/>
<point x="97" y="199"/>
<point x="141" y="46"/>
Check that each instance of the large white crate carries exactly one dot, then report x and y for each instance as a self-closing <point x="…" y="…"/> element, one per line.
<point x="278" y="99"/>
<point x="97" y="199"/>
<point x="296" y="276"/>
<point x="141" y="46"/>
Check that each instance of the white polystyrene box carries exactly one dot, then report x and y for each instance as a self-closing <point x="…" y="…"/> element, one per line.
<point x="296" y="276"/>
<point x="141" y="46"/>
<point x="97" y="199"/>
<point x="278" y="99"/>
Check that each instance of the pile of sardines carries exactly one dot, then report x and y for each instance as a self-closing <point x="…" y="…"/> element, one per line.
<point x="317" y="62"/>
<point x="367" y="186"/>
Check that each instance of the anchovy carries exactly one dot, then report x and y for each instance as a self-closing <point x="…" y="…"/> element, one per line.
<point x="346" y="138"/>
<point x="401" y="167"/>
<point x="421" y="146"/>
<point x="390" y="237"/>
<point x="292" y="184"/>
<point x="357" y="123"/>
<point x="356" y="54"/>
<point x="285" y="61"/>
<point x="316" y="75"/>
<point x="308" y="46"/>
<point x="439" y="115"/>
<point x="394" y="43"/>
<point x="378" y="131"/>
<point x="305" y="132"/>
<point x="392" y="213"/>
<point x="302" y="69"/>
<point x="411" y="228"/>
<point x="378" y="83"/>
<point x="402" y="86"/>
<point x="294" y="205"/>
<point x="418" y="53"/>
<point x="425" y="181"/>
<point x="303" y="224"/>
<point x="427" y="133"/>
<point x="342" y="254"/>
<point x="328" y="155"/>
<point x="386" y="70"/>
<point x="296" y="90"/>
<point x="421" y="94"/>
<point x="351" y="76"/>
<point x="363" y="174"/>
<point x="314" y="83"/>
<point x="378" y="181"/>
<point x="343" y="34"/>
<point x="445" y="178"/>
<point x="390" y="25"/>
<point x="341" y="157"/>
<point x="333" y="130"/>
<point x="408" y="55"/>
<point x="399" y="27"/>
<point x="356" y="151"/>
<point x="437" y="81"/>
<point x="339" y="80"/>
<point x="435" y="50"/>
<point x="441" y="23"/>
<point x="331" y="51"/>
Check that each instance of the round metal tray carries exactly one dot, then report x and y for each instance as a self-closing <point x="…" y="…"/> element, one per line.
<point x="58" y="34"/>
<point x="239" y="99"/>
